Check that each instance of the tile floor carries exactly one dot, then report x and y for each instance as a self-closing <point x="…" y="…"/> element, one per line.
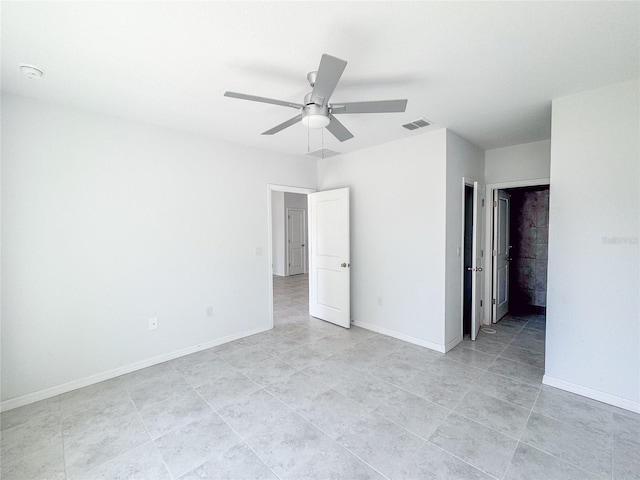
<point x="309" y="400"/>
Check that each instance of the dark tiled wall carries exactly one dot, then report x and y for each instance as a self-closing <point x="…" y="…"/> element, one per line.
<point x="529" y="236"/>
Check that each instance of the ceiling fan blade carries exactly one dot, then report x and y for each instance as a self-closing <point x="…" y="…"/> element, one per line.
<point x="283" y="125"/>
<point x="380" y="106"/>
<point x="338" y="130"/>
<point x="329" y="72"/>
<point x="253" y="98"/>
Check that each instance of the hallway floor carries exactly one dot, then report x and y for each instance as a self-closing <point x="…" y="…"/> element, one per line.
<point x="309" y="400"/>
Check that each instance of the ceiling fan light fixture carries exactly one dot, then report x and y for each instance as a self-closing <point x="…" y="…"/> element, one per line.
<point x="315" y="121"/>
<point x="313" y="115"/>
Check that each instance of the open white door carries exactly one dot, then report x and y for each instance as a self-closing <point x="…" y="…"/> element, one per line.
<point x="477" y="260"/>
<point x="501" y="248"/>
<point x="329" y="278"/>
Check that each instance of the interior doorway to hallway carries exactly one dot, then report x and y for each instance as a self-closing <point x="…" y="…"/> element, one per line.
<point x="290" y="258"/>
<point x="289" y="233"/>
<point x="519" y="250"/>
<point x="289" y="247"/>
<point x="325" y="243"/>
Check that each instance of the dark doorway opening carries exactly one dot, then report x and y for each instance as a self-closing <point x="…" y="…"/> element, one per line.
<point x="529" y="231"/>
<point x="468" y="256"/>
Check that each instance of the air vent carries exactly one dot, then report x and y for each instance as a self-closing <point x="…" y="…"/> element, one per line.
<point x="323" y="153"/>
<point x="420" y="123"/>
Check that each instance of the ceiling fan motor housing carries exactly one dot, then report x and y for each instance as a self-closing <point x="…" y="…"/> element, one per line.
<point x="314" y="115"/>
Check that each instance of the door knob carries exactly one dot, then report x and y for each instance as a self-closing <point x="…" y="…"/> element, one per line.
<point x="469" y="269"/>
<point x="344" y="265"/>
<point x="479" y="269"/>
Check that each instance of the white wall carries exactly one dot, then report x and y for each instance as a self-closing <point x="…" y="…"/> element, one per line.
<point x="593" y="324"/>
<point x="397" y="234"/>
<point x="464" y="160"/>
<point x="528" y="161"/>
<point x="295" y="200"/>
<point x="277" y="228"/>
<point x="106" y="223"/>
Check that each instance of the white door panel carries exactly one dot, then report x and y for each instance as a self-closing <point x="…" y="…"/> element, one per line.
<point x="329" y="274"/>
<point x="296" y="240"/>
<point x="501" y="215"/>
<point x="329" y="286"/>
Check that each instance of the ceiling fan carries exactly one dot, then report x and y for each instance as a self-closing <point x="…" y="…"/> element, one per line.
<point x="316" y="111"/>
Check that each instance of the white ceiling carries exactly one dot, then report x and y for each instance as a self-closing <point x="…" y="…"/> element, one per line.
<point x="486" y="70"/>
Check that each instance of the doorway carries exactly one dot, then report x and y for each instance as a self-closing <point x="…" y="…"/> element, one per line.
<point x="289" y="233"/>
<point x="288" y="291"/>
<point x="313" y="239"/>
<point x="519" y="251"/>
<point x="467" y="259"/>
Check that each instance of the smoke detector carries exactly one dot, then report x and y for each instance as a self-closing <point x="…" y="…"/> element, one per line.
<point x="31" y="71"/>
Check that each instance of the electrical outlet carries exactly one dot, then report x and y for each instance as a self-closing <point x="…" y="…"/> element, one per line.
<point x="153" y="323"/>
<point x="380" y="302"/>
<point x="209" y="312"/>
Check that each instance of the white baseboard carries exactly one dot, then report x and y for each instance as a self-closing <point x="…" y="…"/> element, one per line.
<point x="100" y="377"/>
<point x="401" y="336"/>
<point x="592" y="394"/>
<point x="453" y="343"/>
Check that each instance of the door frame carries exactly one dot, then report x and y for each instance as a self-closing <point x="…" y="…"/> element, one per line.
<point x="488" y="240"/>
<point x="286" y="189"/>
<point x="305" y="259"/>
